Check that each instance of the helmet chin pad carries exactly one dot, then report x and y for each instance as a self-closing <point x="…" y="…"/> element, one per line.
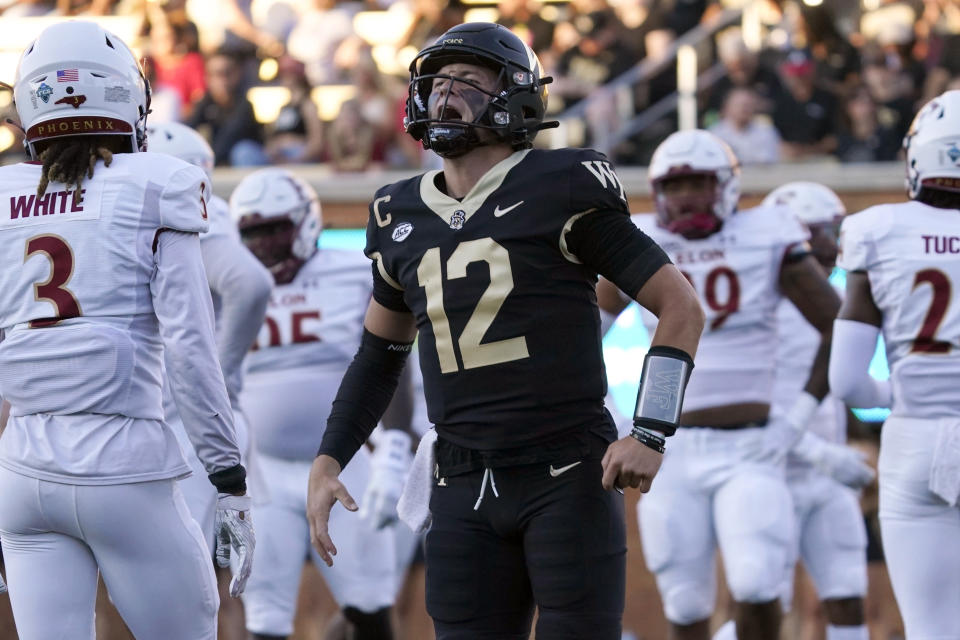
<point x="451" y="140"/>
<point x="694" y="227"/>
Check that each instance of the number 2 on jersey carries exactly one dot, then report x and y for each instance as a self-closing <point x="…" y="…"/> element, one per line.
<point x="53" y="289"/>
<point x="925" y="341"/>
<point x="473" y="353"/>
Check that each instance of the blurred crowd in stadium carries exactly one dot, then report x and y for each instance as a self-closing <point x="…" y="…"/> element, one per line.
<point x="311" y="81"/>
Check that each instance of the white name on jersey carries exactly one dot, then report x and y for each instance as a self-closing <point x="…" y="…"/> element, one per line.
<point x="53" y="206"/>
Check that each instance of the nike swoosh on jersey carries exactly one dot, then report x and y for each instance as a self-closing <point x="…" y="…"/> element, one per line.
<point x="556" y="472"/>
<point x="497" y="211"/>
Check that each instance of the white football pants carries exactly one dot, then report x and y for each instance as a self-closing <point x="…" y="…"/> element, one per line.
<point x="920" y="532"/>
<point x="831" y="536"/>
<point x="140" y="536"/>
<point x="704" y="496"/>
<point x="363" y="571"/>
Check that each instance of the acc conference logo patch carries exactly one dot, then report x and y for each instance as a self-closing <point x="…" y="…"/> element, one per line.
<point x="401" y="231"/>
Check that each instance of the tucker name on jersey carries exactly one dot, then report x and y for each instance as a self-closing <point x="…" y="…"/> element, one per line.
<point x="510" y="354"/>
<point x="906" y="251"/>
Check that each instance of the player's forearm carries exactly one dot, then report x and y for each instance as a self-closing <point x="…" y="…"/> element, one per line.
<point x="680" y="324"/>
<point x="849" y="368"/>
<point x="399" y="413"/>
<point x="244" y="287"/>
<point x="817" y="384"/>
<point x="365" y="391"/>
<point x="184" y="310"/>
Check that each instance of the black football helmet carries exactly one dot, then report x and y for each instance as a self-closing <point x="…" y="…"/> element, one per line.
<point x="514" y="112"/>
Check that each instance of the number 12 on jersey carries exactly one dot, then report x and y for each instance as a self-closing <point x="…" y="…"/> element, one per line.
<point x="472" y="352"/>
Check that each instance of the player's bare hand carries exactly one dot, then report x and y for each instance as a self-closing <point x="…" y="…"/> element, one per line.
<point x="629" y="463"/>
<point x="323" y="491"/>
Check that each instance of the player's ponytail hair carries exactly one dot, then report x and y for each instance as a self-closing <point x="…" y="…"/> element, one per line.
<point x="67" y="159"/>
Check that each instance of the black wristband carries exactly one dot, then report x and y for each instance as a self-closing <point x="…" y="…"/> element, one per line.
<point x="648" y="438"/>
<point x="232" y="480"/>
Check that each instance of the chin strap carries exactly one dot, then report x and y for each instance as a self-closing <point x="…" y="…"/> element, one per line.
<point x="696" y="226"/>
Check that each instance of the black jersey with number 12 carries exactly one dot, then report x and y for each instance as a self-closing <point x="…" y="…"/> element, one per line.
<point x="509" y="331"/>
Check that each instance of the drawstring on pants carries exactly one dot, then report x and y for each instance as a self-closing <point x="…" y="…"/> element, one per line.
<point x="487" y="477"/>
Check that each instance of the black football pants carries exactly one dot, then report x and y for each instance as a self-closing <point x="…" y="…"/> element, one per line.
<point x="552" y="540"/>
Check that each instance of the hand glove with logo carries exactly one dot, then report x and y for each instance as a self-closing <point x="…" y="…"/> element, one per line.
<point x="234" y="530"/>
<point x="780" y="437"/>
<point x="388" y="473"/>
<point x="844" y="464"/>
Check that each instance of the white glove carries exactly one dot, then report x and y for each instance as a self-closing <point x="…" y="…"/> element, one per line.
<point x="780" y="437"/>
<point x="389" y="467"/>
<point x="3" y="585"/>
<point x="234" y="531"/>
<point x="844" y="464"/>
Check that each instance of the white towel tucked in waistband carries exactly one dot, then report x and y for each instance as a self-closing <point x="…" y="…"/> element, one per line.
<point x="945" y="469"/>
<point x="414" y="505"/>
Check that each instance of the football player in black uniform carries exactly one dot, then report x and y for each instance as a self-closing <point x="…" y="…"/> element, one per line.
<point x="494" y="261"/>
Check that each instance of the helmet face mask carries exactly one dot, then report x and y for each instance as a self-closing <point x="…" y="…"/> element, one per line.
<point x="279" y="219"/>
<point x="460" y="106"/>
<point x="685" y="204"/>
<point x="695" y="180"/>
<point x="511" y="108"/>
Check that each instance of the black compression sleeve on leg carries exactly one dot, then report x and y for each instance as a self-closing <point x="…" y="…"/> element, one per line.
<point x="365" y="391"/>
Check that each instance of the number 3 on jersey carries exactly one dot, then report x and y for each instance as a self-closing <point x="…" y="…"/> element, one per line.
<point x="472" y="352"/>
<point x="53" y="289"/>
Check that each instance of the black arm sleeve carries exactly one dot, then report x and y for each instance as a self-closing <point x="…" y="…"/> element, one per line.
<point x="365" y="391"/>
<point x="386" y="294"/>
<point x="609" y="243"/>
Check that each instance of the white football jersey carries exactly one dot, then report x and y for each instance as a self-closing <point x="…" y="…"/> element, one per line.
<point x="220" y="220"/>
<point x="797" y="344"/>
<point x="80" y="267"/>
<point x="310" y="335"/>
<point x="911" y="254"/>
<point x="735" y="273"/>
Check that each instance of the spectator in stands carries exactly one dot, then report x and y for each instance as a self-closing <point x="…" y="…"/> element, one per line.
<point x="598" y="57"/>
<point x="523" y="18"/>
<point x="351" y="142"/>
<point x="743" y="69"/>
<point x="754" y="140"/>
<point x="85" y="7"/>
<point x="431" y="19"/>
<point x="229" y="24"/>
<point x="804" y="114"/>
<point x="318" y="33"/>
<point x="939" y="32"/>
<point x="837" y="61"/>
<point x="297" y="134"/>
<point x="862" y="137"/>
<point x="891" y="86"/>
<point x="175" y="65"/>
<point x="377" y="99"/>
<point x="225" y="116"/>
<point x="27" y="8"/>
